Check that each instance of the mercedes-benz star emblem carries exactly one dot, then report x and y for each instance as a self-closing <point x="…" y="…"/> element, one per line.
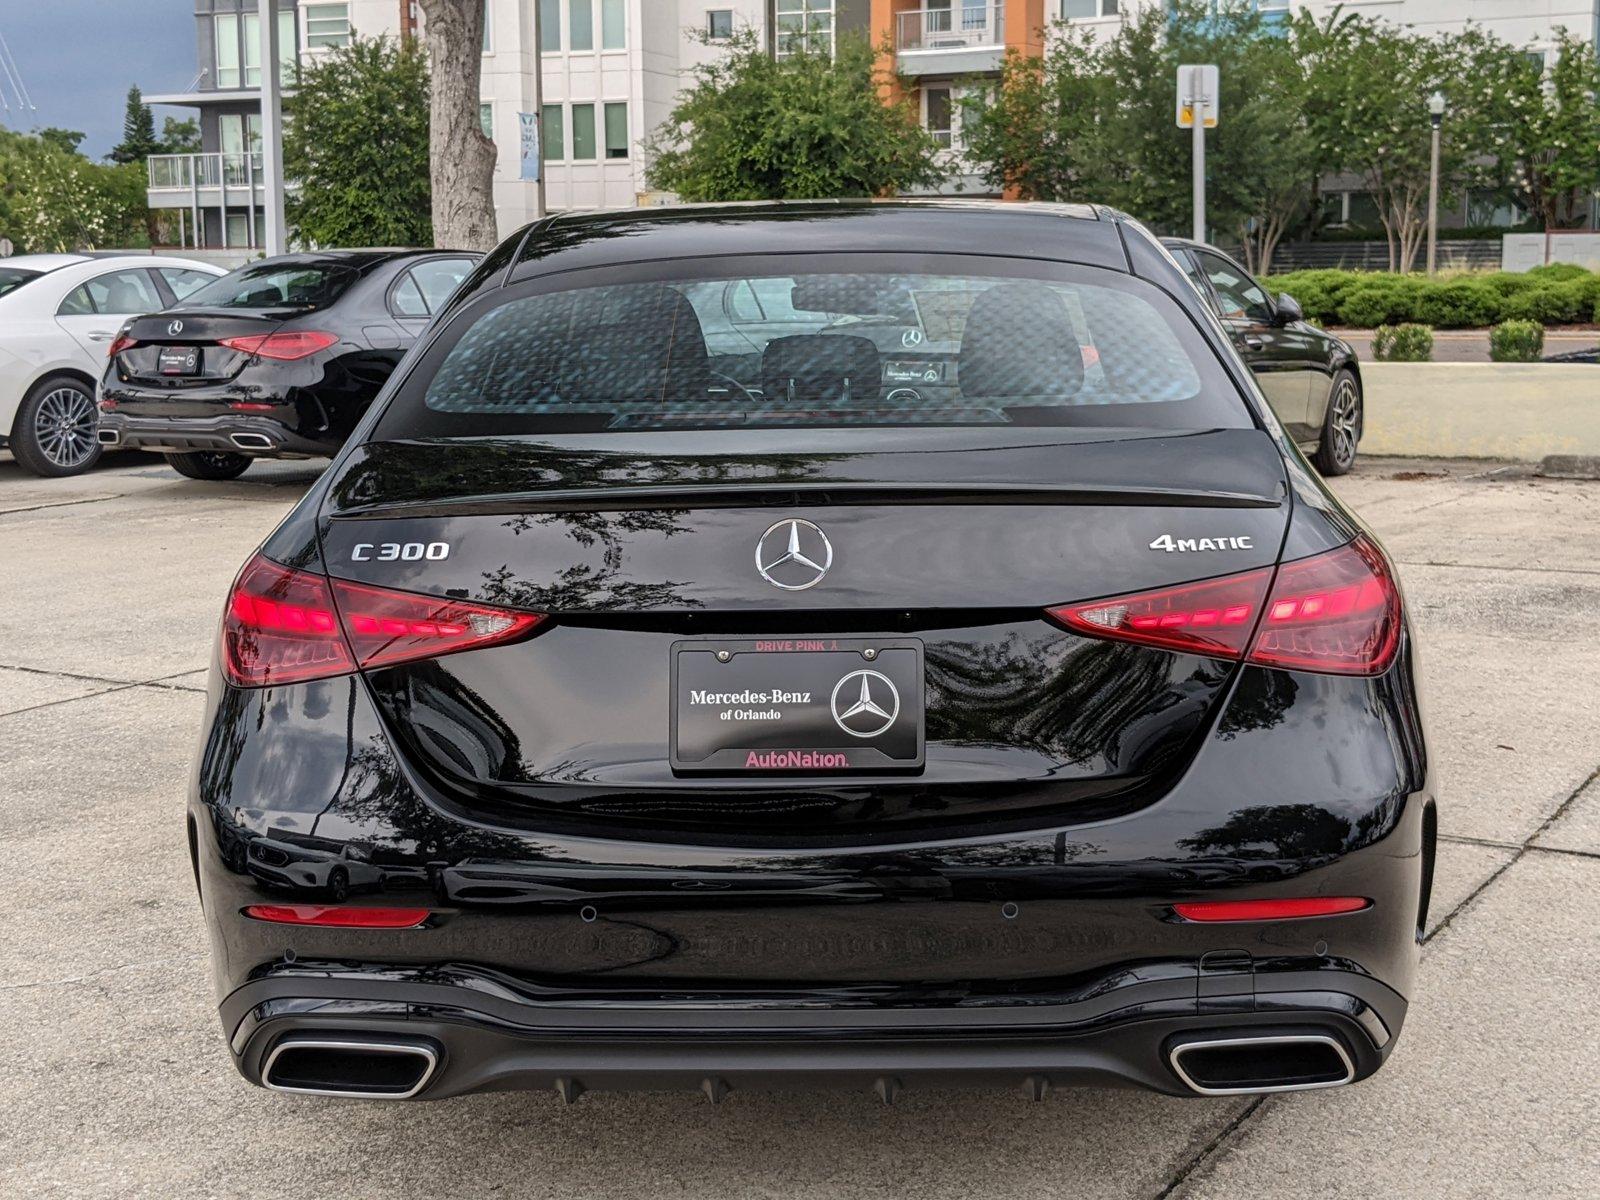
<point x="910" y="338"/>
<point x="175" y="328"/>
<point x="864" y="703"/>
<point x="794" y="555"/>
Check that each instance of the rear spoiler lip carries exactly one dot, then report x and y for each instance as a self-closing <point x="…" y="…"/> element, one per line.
<point x="804" y="494"/>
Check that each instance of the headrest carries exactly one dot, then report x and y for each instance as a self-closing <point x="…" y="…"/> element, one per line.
<point x="1018" y="341"/>
<point x="820" y="368"/>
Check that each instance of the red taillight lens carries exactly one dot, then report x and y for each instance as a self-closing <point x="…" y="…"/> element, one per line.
<point x="1337" y="613"/>
<point x="284" y="626"/>
<point x="281" y="627"/>
<point x="1214" y="617"/>
<point x="1270" y="910"/>
<point x="123" y="342"/>
<point x="332" y="916"/>
<point x="286" y="346"/>
<point x="387" y="627"/>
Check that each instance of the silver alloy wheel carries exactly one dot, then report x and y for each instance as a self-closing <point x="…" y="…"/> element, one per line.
<point x="1344" y="420"/>
<point x="64" y="426"/>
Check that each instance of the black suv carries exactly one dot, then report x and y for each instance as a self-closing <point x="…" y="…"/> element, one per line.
<point x="278" y="359"/>
<point x="1311" y="378"/>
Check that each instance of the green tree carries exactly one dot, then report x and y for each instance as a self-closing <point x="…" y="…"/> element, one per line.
<point x="53" y="199"/>
<point x="66" y="140"/>
<point x="356" y="143"/>
<point x="1036" y="132"/>
<point x="1545" y="127"/>
<point x="179" y="137"/>
<point x="138" y="132"/>
<point x="1093" y="121"/>
<point x="809" y="125"/>
<point x="1369" y="82"/>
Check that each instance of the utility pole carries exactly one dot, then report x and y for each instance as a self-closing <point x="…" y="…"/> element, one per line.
<point x="271" y="129"/>
<point x="1436" y="116"/>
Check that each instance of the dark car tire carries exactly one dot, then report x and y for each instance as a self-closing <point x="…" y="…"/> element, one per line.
<point x="1341" y="426"/>
<point x="209" y="464"/>
<point x="55" y="430"/>
<point x="338" y="885"/>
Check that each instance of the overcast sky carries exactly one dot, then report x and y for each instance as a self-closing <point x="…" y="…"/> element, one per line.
<point x="79" y="57"/>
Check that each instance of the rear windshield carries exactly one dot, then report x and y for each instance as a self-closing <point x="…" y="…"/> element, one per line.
<point x="874" y="344"/>
<point x="281" y="285"/>
<point x="11" y="278"/>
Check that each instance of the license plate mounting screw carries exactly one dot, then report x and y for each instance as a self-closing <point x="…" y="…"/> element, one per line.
<point x="869" y="654"/>
<point x="723" y="656"/>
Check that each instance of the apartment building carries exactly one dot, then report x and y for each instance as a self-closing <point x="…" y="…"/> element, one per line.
<point x="611" y="70"/>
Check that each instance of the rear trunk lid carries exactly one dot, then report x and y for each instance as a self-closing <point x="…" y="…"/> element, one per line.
<point x="656" y="556"/>
<point x="183" y="348"/>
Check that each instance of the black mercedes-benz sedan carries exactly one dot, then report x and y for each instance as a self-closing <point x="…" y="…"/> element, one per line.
<point x="1311" y="378"/>
<point x="278" y="359"/>
<point x="854" y="644"/>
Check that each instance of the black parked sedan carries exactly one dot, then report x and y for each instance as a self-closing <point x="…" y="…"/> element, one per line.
<point x="278" y="359"/>
<point x="854" y="644"/>
<point x="1311" y="378"/>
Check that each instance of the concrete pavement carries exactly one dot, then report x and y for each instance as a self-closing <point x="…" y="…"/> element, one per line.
<point x="115" y="1081"/>
<point x="1481" y="410"/>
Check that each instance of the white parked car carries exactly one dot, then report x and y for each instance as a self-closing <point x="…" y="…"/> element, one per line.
<point x="58" y="316"/>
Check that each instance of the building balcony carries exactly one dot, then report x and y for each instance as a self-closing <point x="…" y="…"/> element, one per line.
<point x="206" y="180"/>
<point x="958" y="39"/>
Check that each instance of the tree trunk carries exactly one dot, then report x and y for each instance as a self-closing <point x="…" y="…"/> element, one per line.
<point x="460" y="158"/>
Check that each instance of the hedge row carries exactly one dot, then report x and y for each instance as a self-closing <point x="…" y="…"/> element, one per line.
<point x="1553" y="295"/>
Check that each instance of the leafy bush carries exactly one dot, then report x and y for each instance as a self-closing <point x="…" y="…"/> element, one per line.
<point x="1516" y="341"/>
<point x="1559" y="294"/>
<point x="1402" y="343"/>
<point x="1461" y="304"/>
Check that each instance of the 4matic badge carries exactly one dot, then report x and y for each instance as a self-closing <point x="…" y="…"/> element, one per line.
<point x="1168" y="543"/>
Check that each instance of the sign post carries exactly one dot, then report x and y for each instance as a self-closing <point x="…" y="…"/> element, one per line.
<point x="1198" y="107"/>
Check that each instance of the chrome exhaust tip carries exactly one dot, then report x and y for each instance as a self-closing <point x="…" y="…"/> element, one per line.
<point x="318" y="1065"/>
<point x="1237" y="1066"/>
<point x="108" y="437"/>
<point x="251" y="441"/>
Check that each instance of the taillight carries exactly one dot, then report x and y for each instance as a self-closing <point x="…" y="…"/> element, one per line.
<point x="285" y="346"/>
<point x="1337" y="613"/>
<point x="121" y="343"/>
<point x="1213" y="617"/>
<point x="284" y="626"/>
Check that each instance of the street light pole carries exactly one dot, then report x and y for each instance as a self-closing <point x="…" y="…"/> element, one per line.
<point x="271" y="130"/>
<point x="1436" y="116"/>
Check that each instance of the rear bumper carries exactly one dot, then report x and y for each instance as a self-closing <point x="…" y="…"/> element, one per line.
<point x="485" y="1034"/>
<point x="232" y="433"/>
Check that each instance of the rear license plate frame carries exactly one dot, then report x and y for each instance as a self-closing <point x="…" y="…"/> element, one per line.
<point x="806" y="737"/>
<point x="178" y="360"/>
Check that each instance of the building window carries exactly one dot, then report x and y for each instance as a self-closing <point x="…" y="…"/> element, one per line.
<point x="327" y="25"/>
<point x="488" y="28"/>
<point x="580" y="24"/>
<point x="613" y="25"/>
<point x="719" y="24"/>
<point x="486" y="119"/>
<point x="582" y="132"/>
<point x="549" y="26"/>
<point x="804" y="25"/>
<point x="1073" y="10"/>
<point x="617" y="130"/>
<point x="938" y="113"/>
<point x="553" y="133"/>
<point x="227" y="33"/>
<point x="250" y="27"/>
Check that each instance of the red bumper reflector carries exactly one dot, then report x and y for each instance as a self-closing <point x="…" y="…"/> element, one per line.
<point x="1270" y="910"/>
<point x="338" y="917"/>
